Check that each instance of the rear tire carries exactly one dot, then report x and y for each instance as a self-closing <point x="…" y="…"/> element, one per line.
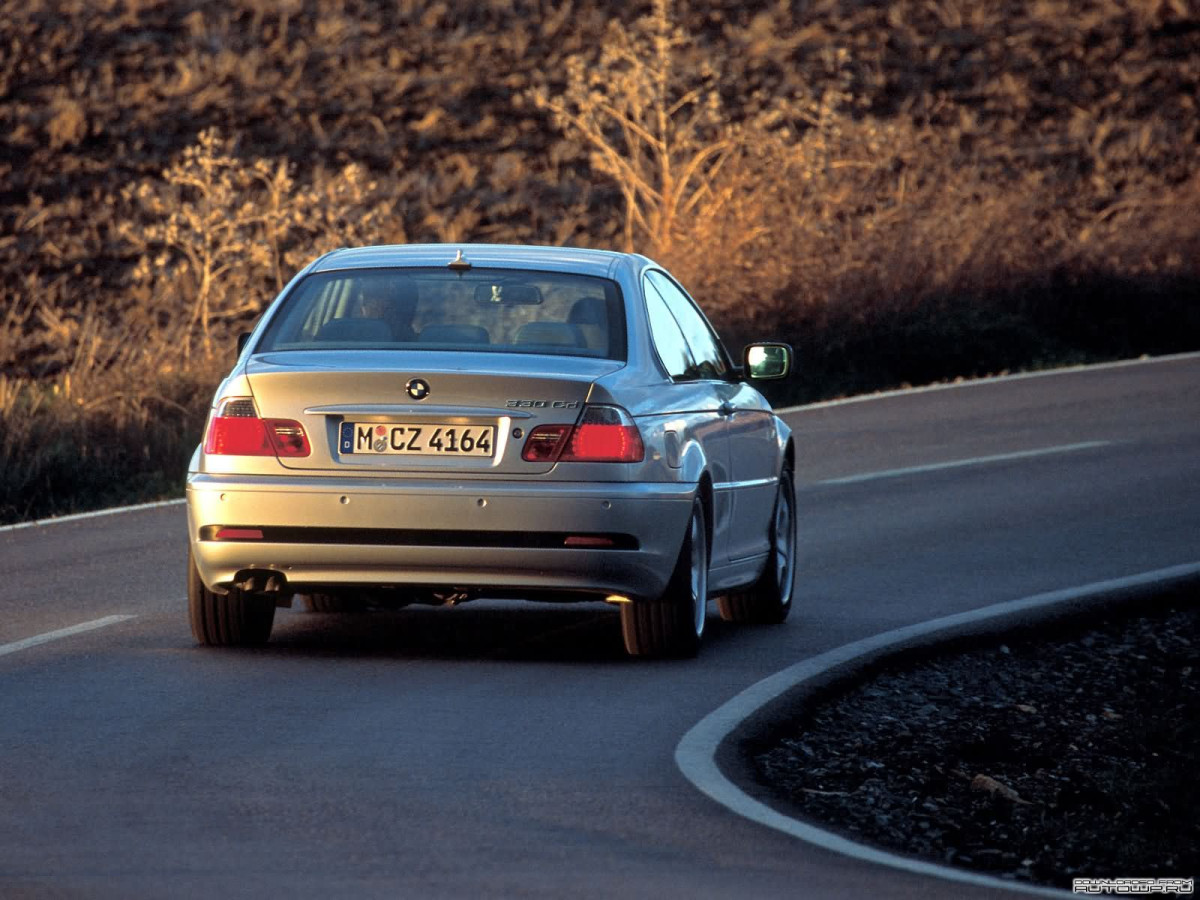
<point x="769" y="600"/>
<point x="235" y="619"/>
<point x="673" y="625"/>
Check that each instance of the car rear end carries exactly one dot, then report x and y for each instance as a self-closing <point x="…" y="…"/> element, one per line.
<point x="465" y="438"/>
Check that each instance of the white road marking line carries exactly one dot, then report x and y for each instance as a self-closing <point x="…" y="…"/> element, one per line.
<point x="696" y="752"/>
<point x="964" y="463"/>
<point x="28" y="642"/>
<point x="57" y="520"/>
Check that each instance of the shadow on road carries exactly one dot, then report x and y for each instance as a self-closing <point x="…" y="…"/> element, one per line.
<point x="519" y="632"/>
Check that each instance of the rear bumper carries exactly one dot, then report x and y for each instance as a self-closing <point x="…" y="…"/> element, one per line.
<point x="466" y="534"/>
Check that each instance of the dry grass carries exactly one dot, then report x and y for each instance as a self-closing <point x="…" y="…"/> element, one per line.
<point x="907" y="190"/>
<point x="85" y="439"/>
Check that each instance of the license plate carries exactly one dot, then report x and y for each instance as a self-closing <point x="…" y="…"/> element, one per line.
<point x="427" y="439"/>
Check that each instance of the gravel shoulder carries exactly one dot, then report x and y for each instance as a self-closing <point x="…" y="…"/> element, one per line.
<point x="1049" y="756"/>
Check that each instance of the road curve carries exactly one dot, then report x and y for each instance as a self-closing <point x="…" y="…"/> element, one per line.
<point x="477" y="752"/>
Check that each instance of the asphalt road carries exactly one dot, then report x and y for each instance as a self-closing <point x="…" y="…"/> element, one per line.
<point x="499" y="749"/>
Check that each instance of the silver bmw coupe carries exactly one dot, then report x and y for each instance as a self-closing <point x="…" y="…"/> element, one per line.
<point x="432" y="424"/>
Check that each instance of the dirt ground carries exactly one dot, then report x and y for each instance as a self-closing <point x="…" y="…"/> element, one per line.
<point x="1041" y="759"/>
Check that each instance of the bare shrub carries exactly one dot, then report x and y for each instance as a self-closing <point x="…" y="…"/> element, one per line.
<point x="654" y="127"/>
<point x="219" y="232"/>
<point x="205" y="222"/>
<point x="734" y="207"/>
<point x="346" y="208"/>
<point x="791" y="203"/>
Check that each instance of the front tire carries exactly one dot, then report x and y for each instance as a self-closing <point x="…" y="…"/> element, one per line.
<point x="673" y="625"/>
<point x="769" y="600"/>
<point x="235" y="619"/>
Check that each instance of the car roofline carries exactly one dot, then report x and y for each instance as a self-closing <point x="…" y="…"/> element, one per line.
<point x="508" y="256"/>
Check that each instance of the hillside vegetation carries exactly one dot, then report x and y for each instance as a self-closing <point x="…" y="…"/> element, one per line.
<point x="907" y="190"/>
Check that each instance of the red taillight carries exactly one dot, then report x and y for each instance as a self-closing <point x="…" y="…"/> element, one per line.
<point x="236" y="430"/>
<point x="605" y="443"/>
<point x="230" y="436"/>
<point x="603" y="434"/>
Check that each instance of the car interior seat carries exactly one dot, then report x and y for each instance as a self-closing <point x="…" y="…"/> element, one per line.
<point x="356" y="331"/>
<point x="590" y="315"/>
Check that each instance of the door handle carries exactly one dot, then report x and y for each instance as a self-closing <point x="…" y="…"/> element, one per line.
<point x="726" y="408"/>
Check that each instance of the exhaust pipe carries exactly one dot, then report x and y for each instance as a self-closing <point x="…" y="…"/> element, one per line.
<point x="264" y="581"/>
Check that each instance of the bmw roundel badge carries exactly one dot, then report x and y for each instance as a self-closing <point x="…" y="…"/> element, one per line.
<point x="418" y="389"/>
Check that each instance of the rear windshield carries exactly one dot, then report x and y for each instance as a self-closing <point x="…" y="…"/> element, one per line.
<point x="497" y="310"/>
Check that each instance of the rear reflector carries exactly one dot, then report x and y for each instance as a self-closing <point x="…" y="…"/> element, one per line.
<point x="238" y="534"/>
<point x="603" y="434"/>
<point x="237" y="431"/>
<point x="587" y="540"/>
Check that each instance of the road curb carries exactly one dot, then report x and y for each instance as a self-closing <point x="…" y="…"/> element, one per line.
<point x="707" y="752"/>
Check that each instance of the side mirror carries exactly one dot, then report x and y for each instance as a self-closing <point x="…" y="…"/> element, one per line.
<point x="241" y="343"/>
<point x="767" y="362"/>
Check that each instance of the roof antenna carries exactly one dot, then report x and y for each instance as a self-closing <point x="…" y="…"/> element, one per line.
<point x="458" y="264"/>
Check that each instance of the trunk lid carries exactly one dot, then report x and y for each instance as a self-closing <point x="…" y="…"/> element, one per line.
<point x="463" y="413"/>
